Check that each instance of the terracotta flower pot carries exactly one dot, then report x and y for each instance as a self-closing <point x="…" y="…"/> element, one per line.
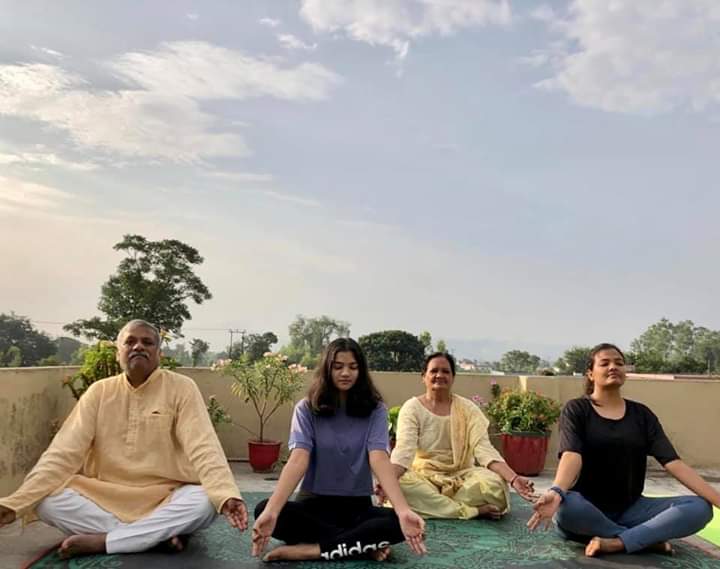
<point x="525" y="452"/>
<point x="263" y="454"/>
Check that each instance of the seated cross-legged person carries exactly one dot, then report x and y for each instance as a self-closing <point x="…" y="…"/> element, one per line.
<point x="136" y="464"/>
<point x="338" y="439"/>
<point x="443" y="456"/>
<point x="597" y="493"/>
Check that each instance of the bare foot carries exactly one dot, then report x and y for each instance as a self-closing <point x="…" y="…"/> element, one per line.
<point x="489" y="512"/>
<point x="299" y="552"/>
<point x="662" y="547"/>
<point x="380" y="554"/>
<point x="84" y="544"/>
<point x="178" y="543"/>
<point x="599" y="545"/>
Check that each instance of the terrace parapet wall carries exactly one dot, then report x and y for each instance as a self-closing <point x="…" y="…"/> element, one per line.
<point x="32" y="400"/>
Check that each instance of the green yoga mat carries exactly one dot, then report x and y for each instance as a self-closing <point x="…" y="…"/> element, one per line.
<point x="474" y="544"/>
<point x="712" y="532"/>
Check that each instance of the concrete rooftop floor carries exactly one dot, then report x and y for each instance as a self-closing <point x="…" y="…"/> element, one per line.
<point x="17" y="546"/>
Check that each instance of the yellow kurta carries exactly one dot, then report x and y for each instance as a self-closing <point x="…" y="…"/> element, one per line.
<point x="446" y="460"/>
<point x="127" y="449"/>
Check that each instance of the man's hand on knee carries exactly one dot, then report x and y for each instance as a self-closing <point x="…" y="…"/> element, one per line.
<point x="7" y="516"/>
<point x="236" y="513"/>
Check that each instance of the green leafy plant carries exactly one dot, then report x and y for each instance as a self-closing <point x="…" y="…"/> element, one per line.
<point x="218" y="414"/>
<point x="523" y="411"/>
<point x="99" y="362"/>
<point x="267" y="384"/>
<point x="393" y="414"/>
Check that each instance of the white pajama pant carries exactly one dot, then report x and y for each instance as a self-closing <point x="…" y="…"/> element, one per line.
<point x="188" y="510"/>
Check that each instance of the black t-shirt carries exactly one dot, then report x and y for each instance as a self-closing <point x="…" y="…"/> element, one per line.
<point x="614" y="452"/>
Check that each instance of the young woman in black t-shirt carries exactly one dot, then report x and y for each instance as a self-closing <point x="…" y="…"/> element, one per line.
<point x="597" y="493"/>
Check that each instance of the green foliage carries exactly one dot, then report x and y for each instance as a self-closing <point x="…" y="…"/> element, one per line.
<point x="426" y="340"/>
<point x="218" y="414"/>
<point x="66" y="349"/>
<point x="49" y="361"/>
<point x="31" y="345"/>
<point x="198" y="349"/>
<point x="310" y="336"/>
<point x="393" y="414"/>
<point x="574" y="360"/>
<point x="523" y="411"/>
<point x="12" y="357"/>
<point x="154" y="283"/>
<point x="518" y="361"/>
<point x="441" y="346"/>
<point x="393" y="350"/>
<point x="99" y="362"/>
<point x="682" y="347"/>
<point x="267" y="384"/>
<point x="259" y="344"/>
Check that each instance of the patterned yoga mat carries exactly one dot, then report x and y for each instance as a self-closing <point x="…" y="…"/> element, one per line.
<point x="474" y="544"/>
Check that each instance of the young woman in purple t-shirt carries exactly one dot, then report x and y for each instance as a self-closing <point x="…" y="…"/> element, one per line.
<point x="338" y="440"/>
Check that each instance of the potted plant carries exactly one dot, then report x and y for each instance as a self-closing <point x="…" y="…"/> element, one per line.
<point x="524" y="419"/>
<point x="267" y="384"/>
<point x="393" y="413"/>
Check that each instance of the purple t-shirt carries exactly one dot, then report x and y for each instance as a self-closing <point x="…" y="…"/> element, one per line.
<point x="339" y="447"/>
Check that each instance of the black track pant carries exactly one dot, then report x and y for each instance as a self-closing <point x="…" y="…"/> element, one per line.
<point x="344" y="526"/>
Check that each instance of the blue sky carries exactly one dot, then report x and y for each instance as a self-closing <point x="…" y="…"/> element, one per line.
<point x="539" y="174"/>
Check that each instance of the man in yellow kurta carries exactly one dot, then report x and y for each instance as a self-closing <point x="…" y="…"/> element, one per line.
<point x="136" y="464"/>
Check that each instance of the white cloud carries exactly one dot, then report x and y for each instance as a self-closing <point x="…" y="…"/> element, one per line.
<point x="160" y="117"/>
<point x="289" y="41"/>
<point x="240" y="177"/>
<point x="46" y="159"/>
<point x="396" y="23"/>
<point x="131" y="123"/>
<point x="269" y="22"/>
<point x="18" y="194"/>
<point x="204" y="71"/>
<point x="192" y="16"/>
<point x="48" y="52"/>
<point x="635" y="56"/>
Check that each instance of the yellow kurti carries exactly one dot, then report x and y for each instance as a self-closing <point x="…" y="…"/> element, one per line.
<point x="127" y="449"/>
<point x="446" y="460"/>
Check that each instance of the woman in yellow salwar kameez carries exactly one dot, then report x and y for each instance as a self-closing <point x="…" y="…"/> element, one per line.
<point x="443" y="456"/>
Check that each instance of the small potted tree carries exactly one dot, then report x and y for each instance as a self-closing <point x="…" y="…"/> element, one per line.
<point x="267" y="384"/>
<point x="524" y="419"/>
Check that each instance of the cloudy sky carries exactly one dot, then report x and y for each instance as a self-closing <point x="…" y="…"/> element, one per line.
<point x="536" y="173"/>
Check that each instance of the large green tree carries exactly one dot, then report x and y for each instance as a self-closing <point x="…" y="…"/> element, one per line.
<point x="518" y="361"/>
<point x="393" y="350"/>
<point x="309" y="336"/>
<point x="68" y="350"/>
<point x="573" y="360"/>
<point x="20" y="343"/>
<point x="198" y="349"/>
<point x="682" y="347"/>
<point x="154" y="282"/>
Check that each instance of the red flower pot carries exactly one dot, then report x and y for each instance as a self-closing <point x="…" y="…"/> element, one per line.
<point x="263" y="454"/>
<point x="525" y="452"/>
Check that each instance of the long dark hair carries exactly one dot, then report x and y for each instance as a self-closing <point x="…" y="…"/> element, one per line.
<point x="324" y="397"/>
<point x="448" y="357"/>
<point x="589" y="387"/>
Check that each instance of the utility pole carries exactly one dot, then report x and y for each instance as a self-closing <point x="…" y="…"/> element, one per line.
<point x="234" y="331"/>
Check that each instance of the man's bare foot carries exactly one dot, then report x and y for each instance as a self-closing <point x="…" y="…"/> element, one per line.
<point x="299" y="552"/>
<point x="662" y="547"/>
<point x="599" y="545"/>
<point x="489" y="512"/>
<point x="85" y="544"/>
<point x="177" y="544"/>
<point x="380" y="554"/>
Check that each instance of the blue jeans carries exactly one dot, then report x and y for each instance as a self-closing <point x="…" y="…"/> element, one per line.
<point x="646" y="522"/>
